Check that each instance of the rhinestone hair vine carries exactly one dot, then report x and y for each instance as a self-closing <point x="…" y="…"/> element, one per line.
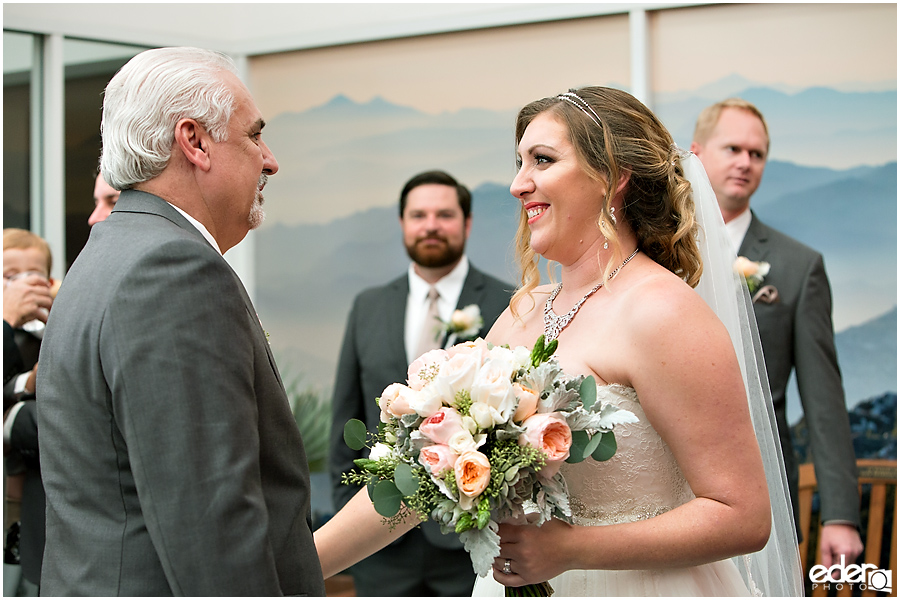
<point x="581" y="104"/>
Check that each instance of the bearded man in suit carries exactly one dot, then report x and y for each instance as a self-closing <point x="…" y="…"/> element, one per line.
<point x="388" y="328"/>
<point x="793" y="312"/>
<point x="171" y="461"/>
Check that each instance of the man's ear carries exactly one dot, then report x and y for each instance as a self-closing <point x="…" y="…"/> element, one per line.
<point x="193" y="141"/>
<point x="696" y="148"/>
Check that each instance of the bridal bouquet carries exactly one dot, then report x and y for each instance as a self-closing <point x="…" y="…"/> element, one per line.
<point x="476" y="437"/>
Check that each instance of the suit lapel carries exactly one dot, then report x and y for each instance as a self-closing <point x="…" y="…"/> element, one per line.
<point x="472" y="290"/>
<point x="755" y="246"/>
<point x="395" y="318"/>
<point x="135" y="201"/>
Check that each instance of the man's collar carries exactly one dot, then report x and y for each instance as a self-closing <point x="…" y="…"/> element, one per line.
<point x="447" y="286"/>
<point x="203" y="230"/>
<point x="737" y="228"/>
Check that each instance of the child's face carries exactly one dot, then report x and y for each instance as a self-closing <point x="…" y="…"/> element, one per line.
<point x="17" y="261"/>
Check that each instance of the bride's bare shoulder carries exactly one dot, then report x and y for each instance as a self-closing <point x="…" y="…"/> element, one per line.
<point x="659" y="296"/>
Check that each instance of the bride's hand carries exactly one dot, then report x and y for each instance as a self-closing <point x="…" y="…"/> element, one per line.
<point x="535" y="554"/>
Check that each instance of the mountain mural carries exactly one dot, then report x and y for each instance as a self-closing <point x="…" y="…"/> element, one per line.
<point x="332" y="227"/>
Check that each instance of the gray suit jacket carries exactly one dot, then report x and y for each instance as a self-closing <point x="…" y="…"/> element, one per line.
<point x="373" y="356"/>
<point x="797" y="334"/>
<point x="171" y="461"/>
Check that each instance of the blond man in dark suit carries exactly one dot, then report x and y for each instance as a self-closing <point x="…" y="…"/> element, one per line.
<point x="793" y="311"/>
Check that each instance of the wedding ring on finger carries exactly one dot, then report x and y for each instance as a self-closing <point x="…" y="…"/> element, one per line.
<point x="506" y="569"/>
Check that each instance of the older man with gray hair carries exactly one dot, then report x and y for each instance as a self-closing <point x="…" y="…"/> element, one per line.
<point x="171" y="460"/>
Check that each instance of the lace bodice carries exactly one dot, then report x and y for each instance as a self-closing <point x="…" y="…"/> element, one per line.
<point x="642" y="480"/>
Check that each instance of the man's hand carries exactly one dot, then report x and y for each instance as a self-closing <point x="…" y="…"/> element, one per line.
<point x="26" y="299"/>
<point x="839" y="539"/>
<point x="32" y="380"/>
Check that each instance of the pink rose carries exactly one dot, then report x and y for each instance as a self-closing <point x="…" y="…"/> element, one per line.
<point x="442" y="425"/>
<point x="528" y="402"/>
<point x="551" y="434"/>
<point x="473" y="473"/>
<point x="438" y="458"/>
<point x="425" y="368"/>
<point x="394" y="402"/>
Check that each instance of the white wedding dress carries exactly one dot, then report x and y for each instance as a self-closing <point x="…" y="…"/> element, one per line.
<point x="642" y="480"/>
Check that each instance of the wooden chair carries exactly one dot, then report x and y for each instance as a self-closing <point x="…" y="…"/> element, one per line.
<point x="881" y="478"/>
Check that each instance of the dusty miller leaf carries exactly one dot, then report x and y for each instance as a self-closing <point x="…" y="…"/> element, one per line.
<point x="483" y="546"/>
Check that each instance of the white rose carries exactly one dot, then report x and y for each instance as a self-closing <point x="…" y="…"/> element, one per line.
<point x="482" y="414"/>
<point x="501" y="353"/>
<point x="470" y="424"/>
<point x="521" y="357"/>
<point x="380" y="451"/>
<point x="459" y="372"/>
<point x="426" y="401"/>
<point x="462" y="441"/>
<point x="492" y="386"/>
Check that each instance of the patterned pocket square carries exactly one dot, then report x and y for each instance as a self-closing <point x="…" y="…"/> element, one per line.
<point x="767" y="294"/>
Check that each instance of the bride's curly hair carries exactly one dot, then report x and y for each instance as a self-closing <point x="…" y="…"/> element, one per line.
<point x="658" y="204"/>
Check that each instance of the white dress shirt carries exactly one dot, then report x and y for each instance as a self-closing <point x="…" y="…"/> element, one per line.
<point x="737" y="229"/>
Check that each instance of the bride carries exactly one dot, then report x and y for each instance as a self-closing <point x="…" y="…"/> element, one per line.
<point x="694" y="501"/>
<point x="605" y="196"/>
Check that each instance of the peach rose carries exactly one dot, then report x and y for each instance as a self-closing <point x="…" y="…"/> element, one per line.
<point x="551" y="434"/>
<point x="394" y="402"/>
<point x="528" y="402"/>
<point x="438" y="458"/>
<point x="748" y="268"/>
<point x="442" y="425"/>
<point x="473" y="473"/>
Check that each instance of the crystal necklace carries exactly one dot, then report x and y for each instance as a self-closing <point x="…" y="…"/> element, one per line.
<point x="553" y="323"/>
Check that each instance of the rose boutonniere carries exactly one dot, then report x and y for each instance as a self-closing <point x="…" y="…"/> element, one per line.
<point x="753" y="272"/>
<point x="464" y="324"/>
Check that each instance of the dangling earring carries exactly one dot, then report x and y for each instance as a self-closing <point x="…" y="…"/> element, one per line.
<point x="612" y="214"/>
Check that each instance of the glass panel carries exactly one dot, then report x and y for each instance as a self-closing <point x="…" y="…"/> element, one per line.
<point x="89" y="67"/>
<point x="17" y="64"/>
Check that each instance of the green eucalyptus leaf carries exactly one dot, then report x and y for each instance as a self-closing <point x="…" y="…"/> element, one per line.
<point x="606" y="448"/>
<point x="405" y="480"/>
<point x="355" y="434"/>
<point x="386" y="498"/>
<point x="592" y="445"/>
<point x="588" y="392"/>
<point x="580" y="440"/>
